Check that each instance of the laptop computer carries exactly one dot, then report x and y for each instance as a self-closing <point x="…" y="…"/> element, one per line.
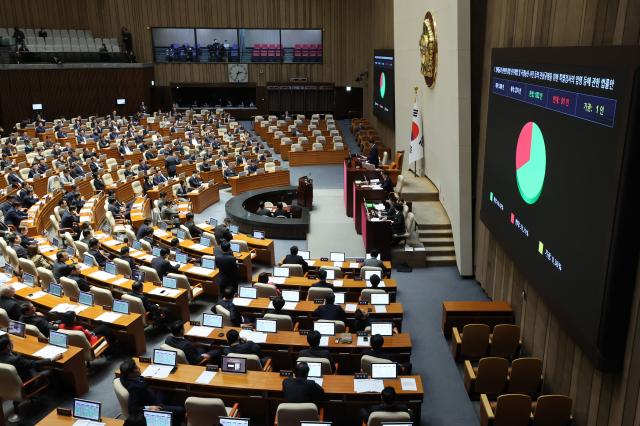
<point x="233" y="421"/>
<point x="157" y="418"/>
<point x="234" y="365"/>
<point x="369" y="274"/>
<point x="384" y="370"/>
<point x="168" y="282"/>
<point x="306" y="255"/>
<point x="259" y="235"/>
<point x="208" y="263"/>
<point x="336" y="256"/>
<point x="71" y="251"/>
<point x="234" y="229"/>
<point x="163" y="226"/>
<point x="280" y="272"/>
<point x="266" y="325"/>
<point x="204" y="241"/>
<point x="121" y="307"/>
<point x="213" y="222"/>
<point x="380" y="299"/>
<point x="182" y="258"/>
<point x="137" y="245"/>
<point x="382" y="328"/>
<point x="325" y="328"/>
<point x="315" y="369"/>
<point x="212" y="320"/>
<point x="180" y="234"/>
<point x="155" y="251"/>
<point x="235" y="247"/>
<point x="17" y="328"/>
<point x="28" y="279"/>
<point x="110" y="268"/>
<point x="88" y="260"/>
<point x="165" y="357"/>
<point x="85" y="298"/>
<point x="87" y="410"/>
<point x="55" y="289"/>
<point x="247" y="292"/>
<point x="291" y="295"/>
<point x="59" y="339"/>
<point x="339" y="298"/>
<point x="137" y="275"/>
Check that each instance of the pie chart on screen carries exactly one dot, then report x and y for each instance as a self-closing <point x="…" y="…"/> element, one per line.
<point x="383" y="84"/>
<point x="531" y="162"/>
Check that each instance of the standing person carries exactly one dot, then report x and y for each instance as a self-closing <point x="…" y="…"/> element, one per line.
<point x="127" y="41"/>
<point x="228" y="268"/>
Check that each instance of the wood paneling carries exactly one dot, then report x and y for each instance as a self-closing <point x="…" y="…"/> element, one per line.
<point x="599" y="398"/>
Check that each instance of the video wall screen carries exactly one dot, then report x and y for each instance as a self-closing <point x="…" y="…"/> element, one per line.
<point x="243" y="45"/>
<point x="384" y="87"/>
<point x="556" y="171"/>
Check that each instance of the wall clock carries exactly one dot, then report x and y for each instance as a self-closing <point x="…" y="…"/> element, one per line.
<point x="238" y="73"/>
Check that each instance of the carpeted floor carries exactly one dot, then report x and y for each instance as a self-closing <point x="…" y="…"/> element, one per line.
<point x="421" y="293"/>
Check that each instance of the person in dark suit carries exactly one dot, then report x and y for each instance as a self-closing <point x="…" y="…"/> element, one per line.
<point x="142" y="396"/>
<point x="227" y="267"/>
<point x="227" y="303"/>
<point x="14" y="241"/>
<point x="377" y="341"/>
<point x="191" y="226"/>
<point x="194" y="181"/>
<point x="159" y="178"/>
<point x="9" y="303"/>
<point x="98" y="183"/>
<point x="240" y="346"/>
<point x="68" y="219"/>
<point x="29" y="315"/>
<point x="171" y="164"/>
<point x="386" y="183"/>
<point x="372" y="158"/>
<point x="205" y="166"/>
<point x="14" y="177"/>
<point x="156" y="313"/>
<point x="229" y="172"/>
<point x="294" y="259"/>
<point x="222" y="232"/>
<point x="94" y="250"/>
<point x="195" y="354"/>
<point x="329" y="311"/>
<point x="314" y="350"/>
<point x="262" y="210"/>
<point x="279" y="212"/>
<point x="389" y="404"/>
<point x="182" y="191"/>
<point x="144" y="230"/>
<point x="14" y="215"/>
<point x="300" y="389"/>
<point x="162" y="265"/>
<point x="25" y="367"/>
<point x="322" y="274"/>
<point x="295" y="211"/>
<point x="124" y="255"/>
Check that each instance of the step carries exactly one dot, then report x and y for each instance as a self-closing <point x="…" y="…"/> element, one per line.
<point x="420" y="196"/>
<point x="441" y="260"/>
<point x="432" y="226"/>
<point x="435" y="233"/>
<point x="437" y="241"/>
<point x="441" y="251"/>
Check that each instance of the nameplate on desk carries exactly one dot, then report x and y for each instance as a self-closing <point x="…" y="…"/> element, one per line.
<point x="286" y="373"/>
<point x="43" y="340"/>
<point x="195" y="323"/>
<point x="363" y="302"/>
<point x="361" y="376"/>
<point x="303" y="332"/>
<point x="63" y="412"/>
<point x="318" y="301"/>
<point x="212" y="367"/>
<point x="106" y="307"/>
<point x="145" y="359"/>
<point x="324" y="259"/>
<point x="362" y="333"/>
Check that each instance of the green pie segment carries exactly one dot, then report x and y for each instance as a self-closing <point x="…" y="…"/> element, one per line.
<point x="531" y="162"/>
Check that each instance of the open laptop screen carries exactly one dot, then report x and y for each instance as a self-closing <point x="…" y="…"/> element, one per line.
<point x="164" y="357"/>
<point x="384" y="370"/>
<point x="234" y="365"/>
<point x="325" y="328"/>
<point x="157" y="418"/>
<point x="88" y="410"/>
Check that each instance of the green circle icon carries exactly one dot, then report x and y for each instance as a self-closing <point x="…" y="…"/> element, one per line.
<point x="531" y="162"/>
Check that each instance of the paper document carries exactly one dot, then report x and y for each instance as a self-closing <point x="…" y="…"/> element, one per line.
<point x="288" y="306"/>
<point x="205" y="377"/>
<point x="197" y="247"/>
<point x="350" y="307"/>
<point x="159" y="233"/>
<point x="120" y="281"/>
<point x="110" y="243"/>
<point x="354" y="265"/>
<point x="318" y="380"/>
<point x="361" y="342"/>
<point x="338" y="283"/>
<point x="367" y="385"/>
<point x="200" y="271"/>
<point x="64" y="307"/>
<point x="49" y="351"/>
<point x="157" y="371"/>
<point x="241" y="301"/>
<point x="381" y="309"/>
<point x="101" y="275"/>
<point x="311" y="262"/>
<point x="277" y="280"/>
<point x="82" y="266"/>
<point x="45" y="249"/>
<point x="168" y="292"/>
<point x="18" y="286"/>
<point x="2" y="332"/>
<point x="37" y="295"/>
<point x="109" y="317"/>
<point x="82" y="422"/>
<point x="254" y="336"/>
<point x="337" y="264"/>
<point x="200" y="331"/>
<point x="324" y="341"/>
<point x="408" y="384"/>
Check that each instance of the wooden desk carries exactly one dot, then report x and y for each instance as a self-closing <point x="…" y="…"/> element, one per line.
<point x="71" y="364"/>
<point x="350" y="175"/>
<point x="206" y="196"/>
<point x="53" y="419"/>
<point x="264" y="248"/>
<point x="124" y="189"/>
<point x="240" y="184"/>
<point x="310" y="158"/>
<point x="38" y="220"/>
<point x="376" y="234"/>
<point x="259" y="393"/>
<point x="362" y="193"/>
<point x="348" y="268"/>
<point x="458" y="314"/>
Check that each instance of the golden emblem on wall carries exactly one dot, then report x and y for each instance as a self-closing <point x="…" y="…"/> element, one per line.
<point x="429" y="50"/>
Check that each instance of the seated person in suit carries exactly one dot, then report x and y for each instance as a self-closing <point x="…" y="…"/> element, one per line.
<point x="154" y="311"/>
<point x="38" y="260"/>
<point x="124" y="255"/>
<point x="14" y="241"/>
<point x="278" y="303"/>
<point x="238" y="345"/>
<point x="389" y="404"/>
<point x="142" y="396"/>
<point x="159" y="178"/>
<point x="228" y="172"/>
<point x="67" y="218"/>
<point x="14" y="214"/>
<point x="9" y="303"/>
<point x="194" y="181"/>
<point x="31" y="316"/>
<point x="361" y="321"/>
<point x="191" y="226"/>
<point x="329" y="311"/>
<point x="386" y="183"/>
<point x="300" y="389"/>
<point x="279" y="212"/>
<point x="195" y="354"/>
<point x="262" y="210"/>
<point x="373" y="158"/>
<point x="182" y="191"/>
<point x="94" y="250"/>
<point x="227" y="303"/>
<point x="205" y="166"/>
<point x="162" y="265"/>
<point x="98" y="183"/>
<point x="27" y="368"/>
<point x="377" y="342"/>
<point x="295" y="259"/>
<point x="144" y="230"/>
<point x="322" y="274"/>
<point x="253" y="167"/>
<point x="116" y="210"/>
<point x="373" y="260"/>
<point x="314" y="351"/>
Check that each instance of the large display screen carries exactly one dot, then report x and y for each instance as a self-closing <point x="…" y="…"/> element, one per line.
<point x="556" y="175"/>
<point x="384" y="97"/>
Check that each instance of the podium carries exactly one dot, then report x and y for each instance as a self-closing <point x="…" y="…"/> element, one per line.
<point x="305" y="192"/>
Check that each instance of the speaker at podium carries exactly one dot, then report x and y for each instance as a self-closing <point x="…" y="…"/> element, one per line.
<point x="305" y="192"/>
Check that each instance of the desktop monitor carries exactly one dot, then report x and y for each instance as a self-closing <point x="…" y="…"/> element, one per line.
<point x="181" y="234"/>
<point x="266" y="325"/>
<point x="164" y="357"/>
<point x="36" y="107"/>
<point x="155" y="251"/>
<point x="384" y="370"/>
<point x="259" y="234"/>
<point x="8" y="269"/>
<point x="71" y="251"/>
<point x="182" y="258"/>
<point x="291" y="295"/>
<point x="336" y="257"/>
<point x="306" y="255"/>
<point x="233" y="421"/>
<point x="88" y="410"/>
<point x="17" y="328"/>
<point x="208" y="263"/>
<point x="247" y="292"/>
<point x="339" y="298"/>
<point x="88" y="260"/>
<point x="234" y="229"/>
<point x="235" y="247"/>
<point x="138" y="275"/>
<point x="157" y="418"/>
<point x="110" y="268"/>
<point x="213" y="222"/>
<point x="380" y="299"/>
<point x="121" y="307"/>
<point x="325" y="328"/>
<point x="55" y="242"/>
<point x="55" y="289"/>
<point x="212" y="320"/>
<point x="369" y="274"/>
<point x="204" y="241"/>
<point x="280" y="272"/>
<point x="28" y="279"/>
<point x="315" y="369"/>
<point x="137" y="245"/>
<point x="309" y="423"/>
<point x="169" y="282"/>
<point x="163" y="225"/>
<point x="120" y="237"/>
<point x="234" y="365"/>
<point x="120" y="101"/>
<point x="369" y="256"/>
<point x="56" y="338"/>
<point x="85" y="298"/>
<point x="331" y="274"/>
<point x="382" y="328"/>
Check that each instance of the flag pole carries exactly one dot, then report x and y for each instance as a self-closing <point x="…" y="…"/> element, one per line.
<point x="415" y="163"/>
